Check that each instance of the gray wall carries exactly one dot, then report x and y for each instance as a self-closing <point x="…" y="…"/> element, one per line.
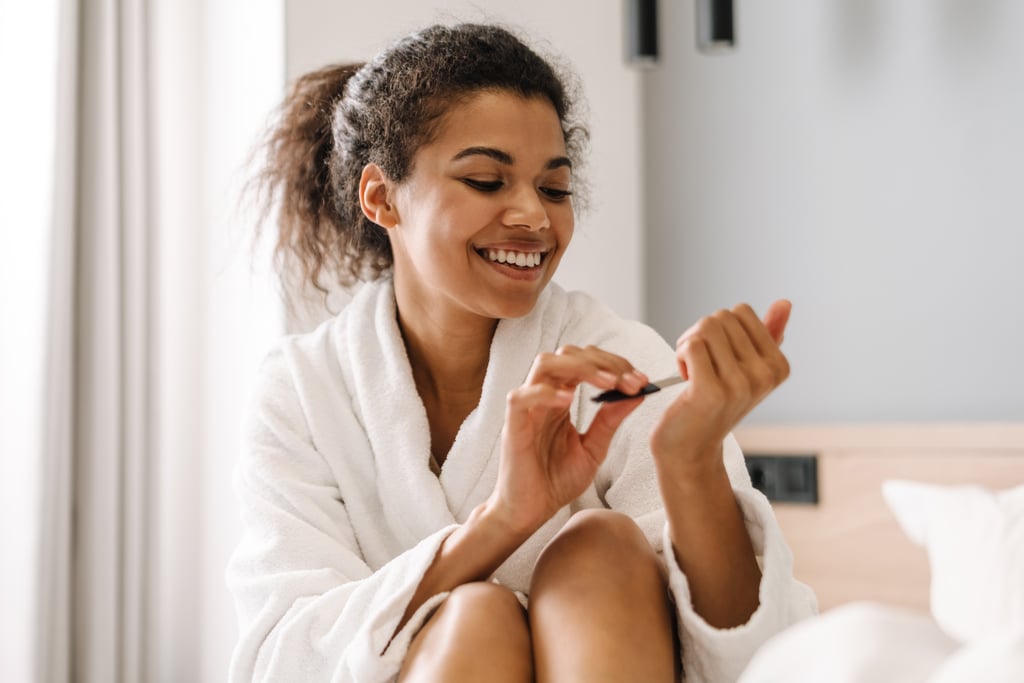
<point x="864" y="159"/>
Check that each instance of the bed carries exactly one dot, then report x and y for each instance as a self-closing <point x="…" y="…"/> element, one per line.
<point x="915" y="549"/>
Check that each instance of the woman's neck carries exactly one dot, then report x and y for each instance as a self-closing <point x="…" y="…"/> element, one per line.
<point x="449" y="358"/>
<point x="449" y="363"/>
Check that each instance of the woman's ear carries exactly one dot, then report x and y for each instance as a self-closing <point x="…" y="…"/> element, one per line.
<point x="375" y="197"/>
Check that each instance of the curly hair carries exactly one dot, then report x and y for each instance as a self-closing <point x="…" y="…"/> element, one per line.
<point x="340" y="118"/>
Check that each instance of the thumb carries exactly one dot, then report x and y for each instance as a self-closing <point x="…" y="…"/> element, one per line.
<point x="776" y="318"/>
<point x="602" y="428"/>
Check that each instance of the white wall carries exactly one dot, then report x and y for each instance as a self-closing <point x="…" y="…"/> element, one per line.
<point x="605" y="257"/>
<point x="864" y="159"/>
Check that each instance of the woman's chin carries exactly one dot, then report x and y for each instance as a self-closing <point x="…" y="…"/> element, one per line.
<point x="518" y="308"/>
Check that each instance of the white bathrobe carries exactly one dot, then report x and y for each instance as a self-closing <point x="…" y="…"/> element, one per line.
<point x="343" y="515"/>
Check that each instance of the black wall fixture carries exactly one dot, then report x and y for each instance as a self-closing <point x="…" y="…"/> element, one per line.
<point x="716" y="25"/>
<point x="642" y="25"/>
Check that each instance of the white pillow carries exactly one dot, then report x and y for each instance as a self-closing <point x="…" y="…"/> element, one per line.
<point x="855" y="643"/>
<point x="975" y="543"/>
<point x="994" y="660"/>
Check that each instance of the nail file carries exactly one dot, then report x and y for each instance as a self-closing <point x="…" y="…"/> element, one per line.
<point x="616" y="395"/>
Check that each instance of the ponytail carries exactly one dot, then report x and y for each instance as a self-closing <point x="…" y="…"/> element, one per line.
<point x="313" y="237"/>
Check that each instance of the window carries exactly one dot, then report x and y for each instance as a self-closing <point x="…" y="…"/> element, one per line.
<point x="28" y="68"/>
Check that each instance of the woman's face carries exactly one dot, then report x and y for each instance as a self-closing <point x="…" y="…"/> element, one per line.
<point x="485" y="214"/>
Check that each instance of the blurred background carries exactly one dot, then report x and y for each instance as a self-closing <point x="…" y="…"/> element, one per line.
<point x="862" y="158"/>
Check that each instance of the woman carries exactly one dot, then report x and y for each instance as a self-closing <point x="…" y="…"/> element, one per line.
<point x="429" y="494"/>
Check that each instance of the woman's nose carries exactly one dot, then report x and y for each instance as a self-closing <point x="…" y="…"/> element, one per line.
<point x="526" y="210"/>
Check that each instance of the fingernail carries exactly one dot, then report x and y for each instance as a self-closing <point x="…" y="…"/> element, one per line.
<point x="607" y="377"/>
<point x="564" y="394"/>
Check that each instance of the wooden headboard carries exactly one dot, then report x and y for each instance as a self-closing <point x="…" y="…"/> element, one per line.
<point x="849" y="547"/>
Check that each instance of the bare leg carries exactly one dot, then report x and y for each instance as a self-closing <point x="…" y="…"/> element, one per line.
<point x="480" y="633"/>
<point x="599" y="606"/>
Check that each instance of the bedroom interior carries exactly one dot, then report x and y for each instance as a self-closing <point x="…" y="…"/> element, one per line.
<point x="855" y="157"/>
<point x="859" y="157"/>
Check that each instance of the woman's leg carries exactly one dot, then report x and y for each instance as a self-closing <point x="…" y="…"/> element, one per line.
<point x="599" y="605"/>
<point x="480" y="633"/>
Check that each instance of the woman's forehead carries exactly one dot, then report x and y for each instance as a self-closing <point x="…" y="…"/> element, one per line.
<point x="499" y="120"/>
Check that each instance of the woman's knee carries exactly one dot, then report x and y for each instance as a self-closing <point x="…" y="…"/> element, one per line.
<point x="599" y="598"/>
<point x="605" y="523"/>
<point x="485" y="598"/>
<point x="601" y="538"/>
<point x="482" y="610"/>
<point x="479" y="630"/>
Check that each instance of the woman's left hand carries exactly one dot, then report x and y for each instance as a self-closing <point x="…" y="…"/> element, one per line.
<point x="732" y="361"/>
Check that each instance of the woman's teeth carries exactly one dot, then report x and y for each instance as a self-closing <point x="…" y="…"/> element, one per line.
<point x="514" y="258"/>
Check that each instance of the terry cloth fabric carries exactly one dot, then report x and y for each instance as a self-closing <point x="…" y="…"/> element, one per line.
<point x="343" y="515"/>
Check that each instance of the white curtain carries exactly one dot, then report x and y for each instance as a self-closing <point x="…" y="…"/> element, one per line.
<point x="96" y="520"/>
<point x="155" y="326"/>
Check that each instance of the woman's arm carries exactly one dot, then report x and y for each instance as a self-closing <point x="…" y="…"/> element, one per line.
<point x="710" y="541"/>
<point x="545" y="464"/>
<point x="472" y="552"/>
<point x="634" y="482"/>
<point x="732" y="361"/>
<point x="309" y="606"/>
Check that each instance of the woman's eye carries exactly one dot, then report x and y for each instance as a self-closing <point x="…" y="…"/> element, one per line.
<point x="556" y="194"/>
<point x="483" y="185"/>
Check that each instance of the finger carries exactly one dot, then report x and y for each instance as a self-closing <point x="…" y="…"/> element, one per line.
<point x="604" y="359"/>
<point x="529" y="397"/>
<point x="771" y="368"/>
<point x="571" y="365"/>
<point x="683" y="371"/>
<point x="628" y="377"/>
<point x="762" y="337"/>
<point x="693" y="352"/>
<point x="566" y="369"/>
<point x="777" y="318"/>
<point x="719" y="349"/>
<point x="605" y="423"/>
<point x="710" y="332"/>
<point x="742" y="346"/>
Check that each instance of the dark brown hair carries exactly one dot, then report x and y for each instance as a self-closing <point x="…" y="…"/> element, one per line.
<point x="340" y="118"/>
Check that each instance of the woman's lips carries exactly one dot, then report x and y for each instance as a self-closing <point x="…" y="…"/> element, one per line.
<point x="507" y="262"/>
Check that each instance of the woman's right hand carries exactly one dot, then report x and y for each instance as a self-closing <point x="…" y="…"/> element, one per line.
<point x="545" y="463"/>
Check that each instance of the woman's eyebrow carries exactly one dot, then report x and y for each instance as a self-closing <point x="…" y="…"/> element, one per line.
<point x="506" y="158"/>
<point x="496" y="154"/>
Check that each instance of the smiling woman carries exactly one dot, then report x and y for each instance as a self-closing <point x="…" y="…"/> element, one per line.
<point x="426" y="487"/>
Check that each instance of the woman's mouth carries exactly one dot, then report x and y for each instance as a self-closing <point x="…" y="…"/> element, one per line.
<point x="516" y="259"/>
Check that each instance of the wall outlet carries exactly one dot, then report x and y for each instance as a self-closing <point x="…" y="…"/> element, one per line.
<point x="785" y="478"/>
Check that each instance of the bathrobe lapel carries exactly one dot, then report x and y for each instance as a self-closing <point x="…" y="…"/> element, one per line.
<point x="393" y="415"/>
<point x="471" y="468"/>
<point x="416" y="502"/>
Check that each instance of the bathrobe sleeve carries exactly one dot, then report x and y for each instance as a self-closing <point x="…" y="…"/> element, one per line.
<point x="628" y="482"/>
<point x="309" y="607"/>
<point x="712" y="654"/>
